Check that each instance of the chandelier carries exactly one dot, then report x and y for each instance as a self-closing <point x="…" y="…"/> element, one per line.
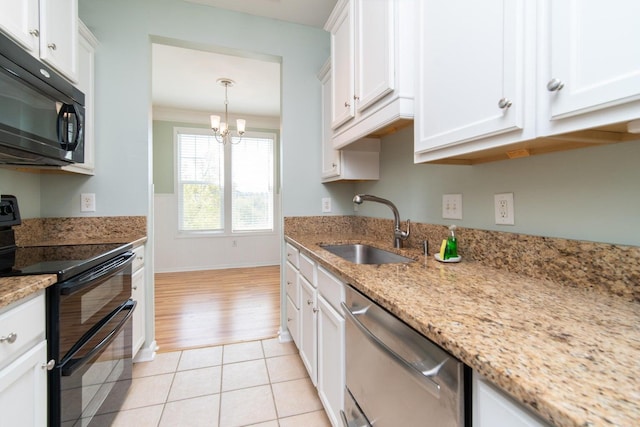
<point x="221" y="129"/>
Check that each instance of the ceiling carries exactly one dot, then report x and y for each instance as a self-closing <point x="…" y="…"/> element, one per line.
<point x="185" y="79"/>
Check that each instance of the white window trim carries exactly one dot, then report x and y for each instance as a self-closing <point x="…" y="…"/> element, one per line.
<point x="226" y="232"/>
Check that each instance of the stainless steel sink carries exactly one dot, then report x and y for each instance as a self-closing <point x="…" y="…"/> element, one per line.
<point x="365" y="254"/>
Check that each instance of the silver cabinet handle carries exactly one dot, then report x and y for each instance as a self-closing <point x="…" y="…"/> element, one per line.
<point x="289" y="319"/>
<point x="35" y="32"/>
<point x="10" y="339"/>
<point x="555" y="85"/>
<point x="52" y="46"/>
<point x="289" y="283"/>
<point x="134" y="288"/>
<point x="504" y="103"/>
<point x="346" y="104"/>
<point x="315" y="310"/>
<point x="49" y="365"/>
<point x="309" y="302"/>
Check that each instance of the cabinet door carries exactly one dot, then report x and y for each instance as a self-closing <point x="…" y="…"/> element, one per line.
<point x="19" y="20"/>
<point x="330" y="156"/>
<point x="594" y="51"/>
<point x="59" y="36"/>
<point x="23" y="389"/>
<point x="471" y="71"/>
<point x="493" y="408"/>
<point x="308" y="328"/>
<point x="374" y="51"/>
<point x="138" y="324"/>
<point x="331" y="360"/>
<point x="342" y="68"/>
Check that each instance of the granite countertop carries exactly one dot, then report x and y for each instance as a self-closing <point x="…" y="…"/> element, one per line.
<point x="571" y="354"/>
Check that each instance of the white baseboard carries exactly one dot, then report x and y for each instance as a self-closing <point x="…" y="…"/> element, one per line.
<point x="284" y="336"/>
<point x="146" y="354"/>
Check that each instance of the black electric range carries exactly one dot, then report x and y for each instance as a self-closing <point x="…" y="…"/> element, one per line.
<point x="88" y="320"/>
<point x="65" y="261"/>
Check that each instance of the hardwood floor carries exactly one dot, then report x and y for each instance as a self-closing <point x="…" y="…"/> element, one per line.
<point x="215" y="307"/>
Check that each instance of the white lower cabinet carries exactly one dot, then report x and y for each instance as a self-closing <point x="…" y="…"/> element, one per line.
<point x="317" y="328"/>
<point x="308" y="329"/>
<point x="331" y="361"/>
<point x="23" y="364"/>
<point x="138" y="290"/>
<point x="494" y="408"/>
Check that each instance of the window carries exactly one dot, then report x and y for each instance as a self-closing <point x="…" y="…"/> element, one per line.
<point x="204" y="166"/>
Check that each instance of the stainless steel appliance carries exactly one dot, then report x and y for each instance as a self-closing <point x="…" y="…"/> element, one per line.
<point x="394" y="375"/>
<point x="41" y="114"/>
<point x="88" y="321"/>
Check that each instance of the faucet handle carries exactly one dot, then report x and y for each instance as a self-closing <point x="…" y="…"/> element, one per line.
<point x="404" y="235"/>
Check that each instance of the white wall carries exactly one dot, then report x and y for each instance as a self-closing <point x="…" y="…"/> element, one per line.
<point x="587" y="194"/>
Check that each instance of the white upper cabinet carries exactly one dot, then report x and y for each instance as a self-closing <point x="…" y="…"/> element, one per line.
<point x="19" y="20"/>
<point x="590" y="62"/>
<point x="48" y="29"/>
<point x="59" y="36"/>
<point x="374" y="52"/>
<point x="500" y="79"/>
<point x="342" y="59"/>
<point x="372" y="67"/>
<point x="472" y="75"/>
<point x="358" y="161"/>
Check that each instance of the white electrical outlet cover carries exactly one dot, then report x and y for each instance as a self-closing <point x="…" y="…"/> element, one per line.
<point x="504" y="209"/>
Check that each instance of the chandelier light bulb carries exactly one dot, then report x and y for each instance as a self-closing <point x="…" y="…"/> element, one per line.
<point x="240" y="126"/>
<point x="215" y="123"/>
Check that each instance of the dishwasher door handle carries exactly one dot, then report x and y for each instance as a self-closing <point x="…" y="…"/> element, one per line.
<point x="424" y="377"/>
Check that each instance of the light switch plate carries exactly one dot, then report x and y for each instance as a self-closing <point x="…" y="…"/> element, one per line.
<point x="452" y="206"/>
<point x="326" y="204"/>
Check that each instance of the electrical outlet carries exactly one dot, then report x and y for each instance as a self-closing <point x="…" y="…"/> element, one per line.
<point x="326" y="204"/>
<point x="452" y="206"/>
<point x="504" y="209"/>
<point x="87" y="202"/>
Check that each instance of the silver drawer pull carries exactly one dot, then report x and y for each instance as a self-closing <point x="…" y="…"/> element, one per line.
<point x="11" y="338"/>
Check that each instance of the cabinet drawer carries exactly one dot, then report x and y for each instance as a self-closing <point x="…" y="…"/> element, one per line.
<point x="307" y="267"/>
<point x="292" y="255"/>
<point x="291" y="279"/>
<point x="293" y="321"/>
<point x="26" y="323"/>
<point x="138" y="260"/>
<point x="330" y="288"/>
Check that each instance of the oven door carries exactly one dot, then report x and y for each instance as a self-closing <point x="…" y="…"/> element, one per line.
<point x="95" y="378"/>
<point x="89" y="336"/>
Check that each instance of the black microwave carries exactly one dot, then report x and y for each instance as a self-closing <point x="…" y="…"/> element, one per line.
<point x="41" y="113"/>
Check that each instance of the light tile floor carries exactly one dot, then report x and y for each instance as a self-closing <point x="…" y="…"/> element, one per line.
<point x="257" y="383"/>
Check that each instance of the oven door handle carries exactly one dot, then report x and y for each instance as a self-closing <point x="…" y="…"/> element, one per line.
<point x="101" y="272"/>
<point x="70" y="365"/>
<point x="425" y="378"/>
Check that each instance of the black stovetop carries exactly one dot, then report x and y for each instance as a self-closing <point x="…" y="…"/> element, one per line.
<point x="65" y="261"/>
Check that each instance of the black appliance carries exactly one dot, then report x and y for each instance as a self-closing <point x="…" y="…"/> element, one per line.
<point x="41" y="113"/>
<point x="89" y="330"/>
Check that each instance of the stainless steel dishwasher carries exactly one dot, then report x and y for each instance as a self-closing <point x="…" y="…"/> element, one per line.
<point x="394" y="375"/>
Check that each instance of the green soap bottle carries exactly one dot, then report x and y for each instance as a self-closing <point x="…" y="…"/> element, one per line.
<point x="452" y="244"/>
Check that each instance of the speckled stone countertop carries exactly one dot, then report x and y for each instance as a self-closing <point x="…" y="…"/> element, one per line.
<point x="67" y="231"/>
<point x="571" y="354"/>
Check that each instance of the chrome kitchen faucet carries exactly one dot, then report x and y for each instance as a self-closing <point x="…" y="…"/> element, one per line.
<point x="398" y="235"/>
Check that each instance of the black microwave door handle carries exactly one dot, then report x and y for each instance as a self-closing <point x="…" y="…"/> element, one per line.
<point x="100" y="272"/>
<point x="70" y="365"/>
<point x="66" y="111"/>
